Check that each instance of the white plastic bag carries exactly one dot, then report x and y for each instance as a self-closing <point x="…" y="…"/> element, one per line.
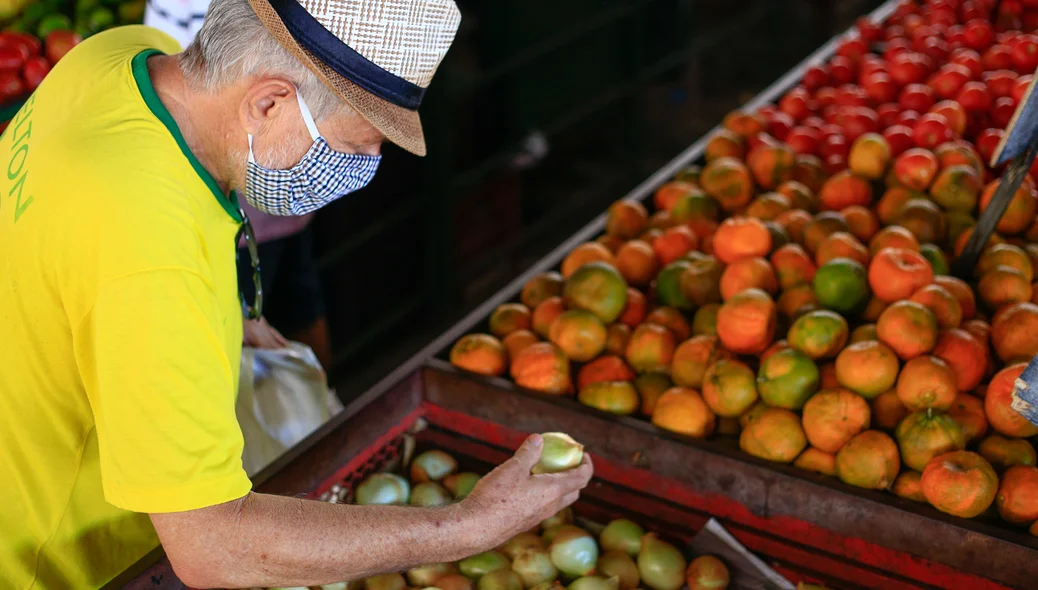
<point x="283" y="396"/>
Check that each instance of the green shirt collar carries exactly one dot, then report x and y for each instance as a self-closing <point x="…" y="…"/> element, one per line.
<point x="147" y="90"/>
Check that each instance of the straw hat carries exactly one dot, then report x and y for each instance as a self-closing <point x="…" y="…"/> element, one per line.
<point x="378" y="55"/>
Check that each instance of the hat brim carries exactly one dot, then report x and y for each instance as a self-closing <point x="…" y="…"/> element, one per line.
<point x="400" y="126"/>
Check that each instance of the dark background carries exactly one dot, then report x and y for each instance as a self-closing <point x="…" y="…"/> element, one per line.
<point x="612" y="88"/>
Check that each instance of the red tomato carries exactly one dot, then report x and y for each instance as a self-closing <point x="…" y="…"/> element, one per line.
<point x="871" y="65"/>
<point x="979" y="34"/>
<point x="11" y="86"/>
<point x="931" y="131"/>
<point x="908" y="117"/>
<point x="835" y="163"/>
<point x="970" y="59"/>
<point x="922" y="32"/>
<point x="888" y="114"/>
<point x="1002" y="112"/>
<point x="58" y="43"/>
<point x="779" y="125"/>
<point x="832" y="114"/>
<point x="766" y="112"/>
<point x="899" y="137"/>
<point x="954" y="113"/>
<point x="948" y="80"/>
<point x="893" y="32"/>
<point x="796" y="103"/>
<point x="907" y="68"/>
<point x="813" y="122"/>
<point x="896" y="47"/>
<point x="816" y="77"/>
<point x="31" y="42"/>
<point x="834" y="145"/>
<point x="916" y="97"/>
<point x="12" y="57"/>
<point x="906" y="10"/>
<point x="859" y="121"/>
<point x="936" y="48"/>
<point x="1020" y="88"/>
<point x="853" y="49"/>
<point x="841" y="70"/>
<point x="912" y="22"/>
<point x="974" y="96"/>
<point x="943" y="17"/>
<point x="13" y="45"/>
<point x="825" y="97"/>
<point x="35" y="71"/>
<point x="1000" y="83"/>
<point x="804" y="140"/>
<point x="869" y="31"/>
<point x="1025" y="54"/>
<point x="851" y="95"/>
<point x="997" y="57"/>
<point x="956" y="37"/>
<point x="829" y="129"/>
<point x="975" y="11"/>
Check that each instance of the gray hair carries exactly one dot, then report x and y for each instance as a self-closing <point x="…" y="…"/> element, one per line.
<point x="233" y="44"/>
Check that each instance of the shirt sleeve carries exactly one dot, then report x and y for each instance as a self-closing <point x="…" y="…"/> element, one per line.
<point x="153" y="356"/>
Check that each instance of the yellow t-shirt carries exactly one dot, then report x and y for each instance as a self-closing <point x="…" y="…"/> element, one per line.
<point x="120" y="324"/>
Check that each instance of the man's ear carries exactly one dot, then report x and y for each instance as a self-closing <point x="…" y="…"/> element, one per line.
<point x="263" y="101"/>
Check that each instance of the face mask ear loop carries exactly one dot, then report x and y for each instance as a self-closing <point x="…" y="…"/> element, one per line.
<point x="252" y="157"/>
<point x="307" y="117"/>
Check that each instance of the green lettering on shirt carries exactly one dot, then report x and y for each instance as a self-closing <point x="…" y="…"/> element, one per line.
<point x="16" y="169"/>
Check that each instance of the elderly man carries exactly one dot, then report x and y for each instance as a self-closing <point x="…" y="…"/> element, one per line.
<point x="120" y="320"/>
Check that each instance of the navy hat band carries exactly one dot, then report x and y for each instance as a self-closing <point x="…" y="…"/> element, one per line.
<point x="343" y="59"/>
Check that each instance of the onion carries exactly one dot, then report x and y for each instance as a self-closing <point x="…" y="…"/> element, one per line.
<point x="335" y="586"/>
<point x="500" y="580"/>
<point x="707" y="573"/>
<point x="454" y="582"/>
<point x="564" y="516"/>
<point x="460" y="484"/>
<point x="383" y="488"/>
<point x="574" y="551"/>
<point x="619" y="564"/>
<point x="661" y="565"/>
<point x="622" y="535"/>
<point x="432" y="466"/>
<point x="430" y="494"/>
<point x="560" y="453"/>
<point x="385" y="582"/>
<point x="519" y="543"/>
<point x="427" y="575"/>
<point x="593" y="583"/>
<point x="483" y="563"/>
<point x="534" y="566"/>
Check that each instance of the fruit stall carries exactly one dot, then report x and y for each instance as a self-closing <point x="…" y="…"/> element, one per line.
<point x="38" y="33"/>
<point x="765" y="332"/>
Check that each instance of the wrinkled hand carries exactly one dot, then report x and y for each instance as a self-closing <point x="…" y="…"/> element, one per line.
<point x="260" y="334"/>
<point x="510" y="500"/>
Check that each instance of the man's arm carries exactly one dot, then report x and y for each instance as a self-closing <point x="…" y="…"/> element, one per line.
<point x="263" y="540"/>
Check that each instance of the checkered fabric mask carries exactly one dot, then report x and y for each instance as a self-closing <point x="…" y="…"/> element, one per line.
<point x="322" y="176"/>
